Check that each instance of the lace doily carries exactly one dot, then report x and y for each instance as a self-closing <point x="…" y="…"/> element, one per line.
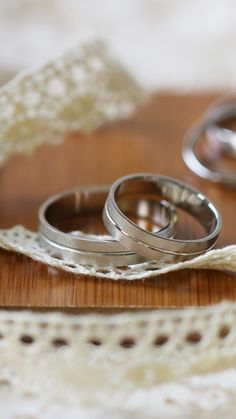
<point x="165" y="364"/>
<point x="78" y="91"/>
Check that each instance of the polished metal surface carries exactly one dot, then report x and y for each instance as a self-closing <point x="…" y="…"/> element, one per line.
<point x="155" y="246"/>
<point x="223" y="138"/>
<point x="100" y="259"/>
<point x="59" y="229"/>
<point x="215" y="115"/>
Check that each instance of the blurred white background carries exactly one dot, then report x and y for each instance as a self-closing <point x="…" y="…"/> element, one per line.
<point x="167" y="44"/>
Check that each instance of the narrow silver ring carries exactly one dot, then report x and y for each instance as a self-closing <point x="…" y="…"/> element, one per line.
<point x="77" y="247"/>
<point x="154" y="246"/>
<point x="214" y="115"/>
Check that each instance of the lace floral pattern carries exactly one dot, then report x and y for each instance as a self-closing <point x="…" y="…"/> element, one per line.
<point x="76" y="92"/>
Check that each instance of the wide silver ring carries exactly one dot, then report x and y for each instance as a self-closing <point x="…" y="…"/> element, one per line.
<point x="155" y="246"/>
<point x="215" y="115"/>
<point x="98" y="250"/>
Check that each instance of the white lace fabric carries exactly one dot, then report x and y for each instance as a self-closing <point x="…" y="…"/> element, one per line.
<point x="78" y="91"/>
<point x="159" y="364"/>
<point x="21" y="240"/>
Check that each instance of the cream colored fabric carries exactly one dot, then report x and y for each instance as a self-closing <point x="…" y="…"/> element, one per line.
<point x="78" y="91"/>
<point x="160" y="364"/>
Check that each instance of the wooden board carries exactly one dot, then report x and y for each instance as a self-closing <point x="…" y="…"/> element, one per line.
<point x="150" y="141"/>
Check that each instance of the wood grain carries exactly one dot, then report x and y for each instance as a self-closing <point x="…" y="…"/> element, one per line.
<point x="150" y="141"/>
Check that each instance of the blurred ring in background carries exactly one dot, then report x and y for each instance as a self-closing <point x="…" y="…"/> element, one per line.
<point x="222" y="139"/>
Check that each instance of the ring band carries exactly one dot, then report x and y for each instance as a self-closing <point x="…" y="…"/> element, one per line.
<point x="214" y="115"/>
<point x="77" y="247"/>
<point x="155" y="246"/>
<point x="224" y="138"/>
<point x="99" y="259"/>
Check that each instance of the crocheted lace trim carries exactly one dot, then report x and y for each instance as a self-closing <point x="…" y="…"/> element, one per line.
<point x="179" y="363"/>
<point x="80" y="90"/>
<point x="26" y="242"/>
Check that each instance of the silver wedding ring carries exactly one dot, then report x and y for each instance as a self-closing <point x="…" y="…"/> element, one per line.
<point x="225" y="141"/>
<point x="59" y="234"/>
<point x="155" y="246"/>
